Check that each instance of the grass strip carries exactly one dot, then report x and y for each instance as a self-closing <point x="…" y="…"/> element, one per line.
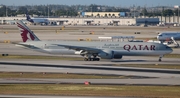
<point x="91" y="90"/>
<point x="172" y="56"/>
<point x="161" y="66"/>
<point x="59" y="76"/>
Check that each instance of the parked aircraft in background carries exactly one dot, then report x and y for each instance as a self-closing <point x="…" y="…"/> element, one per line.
<point x="42" y="21"/>
<point x="169" y="38"/>
<point x="91" y="51"/>
<point x="166" y="36"/>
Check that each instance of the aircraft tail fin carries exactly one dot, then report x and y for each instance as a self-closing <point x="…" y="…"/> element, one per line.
<point x="28" y="18"/>
<point x="26" y="33"/>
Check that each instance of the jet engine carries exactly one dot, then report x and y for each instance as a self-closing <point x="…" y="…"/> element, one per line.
<point x="109" y="54"/>
<point x="116" y="56"/>
<point x="78" y="52"/>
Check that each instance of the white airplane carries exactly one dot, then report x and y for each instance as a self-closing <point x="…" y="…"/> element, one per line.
<point x="166" y="36"/>
<point x="90" y="50"/>
<point x="42" y="21"/>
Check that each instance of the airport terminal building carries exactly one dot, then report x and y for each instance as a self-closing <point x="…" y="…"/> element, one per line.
<point x="114" y="21"/>
<point x="90" y="18"/>
<point x="100" y="18"/>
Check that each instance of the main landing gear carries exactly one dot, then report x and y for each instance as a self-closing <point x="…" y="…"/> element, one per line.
<point x="160" y="57"/>
<point x="91" y="59"/>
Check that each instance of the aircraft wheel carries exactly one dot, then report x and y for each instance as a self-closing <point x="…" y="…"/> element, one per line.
<point x="96" y="59"/>
<point x="89" y="59"/>
<point x="160" y="60"/>
<point x="85" y="59"/>
<point x="160" y="57"/>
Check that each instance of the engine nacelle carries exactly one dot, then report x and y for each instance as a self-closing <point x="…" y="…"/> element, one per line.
<point x="105" y="55"/>
<point x="108" y="54"/>
<point x="78" y="52"/>
<point x="116" y="56"/>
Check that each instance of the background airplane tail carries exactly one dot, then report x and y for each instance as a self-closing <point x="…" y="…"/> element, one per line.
<point x="26" y="33"/>
<point x="28" y="18"/>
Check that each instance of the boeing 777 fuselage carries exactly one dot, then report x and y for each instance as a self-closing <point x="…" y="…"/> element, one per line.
<point x="105" y="50"/>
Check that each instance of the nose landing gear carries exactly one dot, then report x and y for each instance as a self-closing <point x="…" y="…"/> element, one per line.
<point x="160" y="57"/>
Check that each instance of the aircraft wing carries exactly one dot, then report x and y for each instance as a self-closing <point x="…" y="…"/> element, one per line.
<point x="27" y="46"/>
<point x="79" y="48"/>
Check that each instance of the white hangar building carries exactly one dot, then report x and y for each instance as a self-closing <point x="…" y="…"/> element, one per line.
<point x="116" y="21"/>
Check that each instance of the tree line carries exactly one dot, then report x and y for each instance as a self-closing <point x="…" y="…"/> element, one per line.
<point x="165" y="13"/>
<point x="65" y="10"/>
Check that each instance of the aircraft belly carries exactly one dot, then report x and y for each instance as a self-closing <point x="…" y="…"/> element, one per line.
<point x="40" y="50"/>
<point x="61" y="51"/>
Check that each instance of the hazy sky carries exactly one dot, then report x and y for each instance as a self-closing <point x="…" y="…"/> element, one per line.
<point x="123" y="3"/>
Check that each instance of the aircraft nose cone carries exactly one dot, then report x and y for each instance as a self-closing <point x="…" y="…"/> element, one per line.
<point x="170" y="50"/>
<point x="158" y="37"/>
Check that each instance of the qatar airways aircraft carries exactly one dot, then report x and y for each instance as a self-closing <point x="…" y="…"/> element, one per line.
<point x="91" y="50"/>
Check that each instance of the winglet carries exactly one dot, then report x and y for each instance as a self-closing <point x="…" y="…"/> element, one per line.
<point x="26" y="33"/>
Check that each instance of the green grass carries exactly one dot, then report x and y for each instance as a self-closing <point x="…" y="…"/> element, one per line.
<point x="172" y="56"/>
<point x="59" y="76"/>
<point x="91" y="90"/>
<point x="162" y="66"/>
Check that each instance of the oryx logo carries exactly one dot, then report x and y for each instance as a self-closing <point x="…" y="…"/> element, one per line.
<point x="25" y="34"/>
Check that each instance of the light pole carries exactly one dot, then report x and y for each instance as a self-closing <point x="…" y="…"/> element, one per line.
<point x="6" y="11"/>
<point x="91" y="12"/>
<point x="178" y="14"/>
<point x="48" y="11"/>
<point x="177" y="6"/>
<point x="174" y="18"/>
<point x="161" y="15"/>
<point x="134" y="11"/>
